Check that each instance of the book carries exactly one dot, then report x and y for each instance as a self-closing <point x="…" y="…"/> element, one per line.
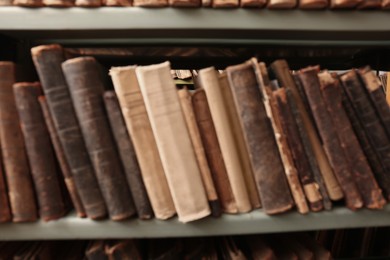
<point x="344" y="4"/>
<point x="39" y="151"/>
<point x="96" y="250"/>
<point x="185" y="3"/>
<point x="88" y="3"/>
<point x="5" y="2"/>
<point x="253" y="3"/>
<point x="208" y="78"/>
<point x="58" y="3"/>
<point x="5" y="210"/>
<point x="189" y="116"/>
<point x="225" y="3"/>
<point x="86" y="88"/>
<point x="328" y="134"/>
<point x="259" y="249"/>
<point x="173" y="141"/>
<point x="363" y="176"/>
<point x="269" y="174"/>
<point x="282" y="4"/>
<point x="18" y="176"/>
<point x="369" y="4"/>
<point x="128" y="157"/>
<point x="28" y="3"/>
<point x="213" y="151"/>
<point x="150" y="3"/>
<point x="117" y="2"/>
<point x="123" y="250"/>
<point x="385" y="5"/>
<point x="387" y="86"/>
<point x="313" y="4"/>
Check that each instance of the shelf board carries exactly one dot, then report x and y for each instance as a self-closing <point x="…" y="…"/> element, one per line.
<point x="255" y="222"/>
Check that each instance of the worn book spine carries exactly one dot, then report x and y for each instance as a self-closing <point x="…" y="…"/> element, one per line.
<point x="150" y="3"/>
<point x="59" y="151"/>
<point x="117" y="2"/>
<point x="173" y="141"/>
<point x="363" y="176"/>
<point x="253" y="3"/>
<point x="329" y="137"/>
<point x="185" y="3"/>
<point x="301" y="162"/>
<point x="344" y="4"/>
<point x="5" y="210"/>
<point x="18" y="177"/>
<point x="88" y="3"/>
<point x="128" y="157"/>
<point x="123" y="250"/>
<point x="225" y="3"/>
<point x="28" y="3"/>
<point x="86" y="88"/>
<point x="47" y="60"/>
<point x="282" y="4"/>
<point x="385" y="6"/>
<point x="369" y="4"/>
<point x="313" y="4"/>
<point x="387" y="85"/>
<point x="283" y="74"/>
<point x="376" y="133"/>
<point x="269" y="174"/>
<point x="140" y="131"/>
<point x="206" y="3"/>
<point x="209" y="81"/>
<point x="39" y="151"/>
<point x="96" y="250"/>
<point x="59" y="3"/>
<point x="189" y="116"/>
<point x="213" y="151"/>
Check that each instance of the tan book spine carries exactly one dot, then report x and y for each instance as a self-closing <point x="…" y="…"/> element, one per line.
<point x="59" y="3"/>
<point x="28" y="3"/>
<point x="313" y="4"/>
<point x="150" y="3"/>
<point x="5" y="2"/>
<point x="282" y="4"/>
<point x="209" y="81"/>
<point x="234" y="122"/>
<point x="138" y="124"/>
<point x="206" y="3"/>
<point x="189" y="116"/>
<point x="173" y="141"/>
<point x="225" y="3"/>
<point x="88" y="3"/>
<point x="117" y="2"/>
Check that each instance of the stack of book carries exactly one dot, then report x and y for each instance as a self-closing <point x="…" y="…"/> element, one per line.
<point x="247" y="137"/>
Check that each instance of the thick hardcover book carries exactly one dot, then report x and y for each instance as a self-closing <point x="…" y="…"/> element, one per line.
<point x="138" y="124"/>
<point x="283" y="74"/>
<point x="209" y="81"/>
<point x="128" y="157"/>
<point x="47" y="60"/>
<point x="39" y="150"/>
<point x="185" y="3"/>
<point x="344" y="4"/>
<point x="253" y="3"/>
<point x="282" y="4"/>
<point x="59" y="151"/>
<point x="213" y="151"/>
<point x="151" y="3"/>
<point x="86" y="88"/>
<point x="363" y="176"/>
<point x="329" y="137"/>
<point x="225" y="3"/>
<point x="376" y="133"/>
<point x="5" y="210"/>
<point x="313" y="4"/>
<point x="123" y="250"/>
<point x="189" y="116"/>
<point x="20" y="187"/>
<point x="173" y="141"/>
<point x="58" y="3"/>
<point x="28" y="3"/>
<point x="260" y="141"/>
<point x="88" y="3"/>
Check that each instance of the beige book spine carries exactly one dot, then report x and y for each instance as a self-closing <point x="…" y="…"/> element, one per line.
<point x="173" y="141"/>
<point x="230" y="152"/>
<point x="225" y="3"/>
<point x="234" y="122"/>
<point x="137" y="122"/>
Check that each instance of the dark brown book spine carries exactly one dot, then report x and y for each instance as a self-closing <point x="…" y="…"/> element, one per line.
<point x="47" y="60"/>
<point x="213" y="151"/>
<point x="39" y="151"/>
<point x="123" y="250"/>
<point x="86" y="87"/>
<point x="5" y="210"/>
<point x="375" y="132"/>
<point x="19" y="182"/>
<point x="269" y="174"/>
<point x="328" y="134"/>
<point x="364" y="178"/>
<point x="128" y="156"/>
<point x="96" y="250"/>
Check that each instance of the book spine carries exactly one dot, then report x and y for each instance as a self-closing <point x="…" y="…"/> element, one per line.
<point x="208" y="79"/>
<point x="225" y="3"/>
<point x="185" y="3"/>
<point x="65" y="169"/>
<point x="387" y="85"/>
<point x="213" y="151"/>
<point x="269" y="174"/>
<point x="189" y="116"/>
<point x="282" y="72"/>
<point x="369" y="4"/>
<point x="126" y="249"/>
<point x="328" y="134"/>
<point x="86" y="88"/>
<point x="117" y="2"/>
<point x="20" y="187"/>
<point x="5" y="210"/>
<point x="28" y="3"/>
<point x="5" y="2"/>
<point x="127" y="155"/>
<point x="282" y="4"/>
<point x="59" y="3"/>
<point x="313" y="4"/>
<point x="253" y="3"/>
<point x="47" y="60"/>
<point x="88" y="3"/>
<point x="363" y="176"/>
<point x="150" y="3"/>
<point x="39" y="151"/>
<point x="385" y="6"/>
<point x="169" y="128"/>
<point x="344" y="4"/>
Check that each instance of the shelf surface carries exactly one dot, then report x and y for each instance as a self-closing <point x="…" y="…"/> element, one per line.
<point x="257" y="222"/>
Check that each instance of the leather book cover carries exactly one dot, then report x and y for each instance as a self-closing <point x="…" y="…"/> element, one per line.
<point x="88" y="3"/>
<point x="225" y="3"/>
<point x="260" y="141"/>
<point x="151" y="3"/>
<point x="363" y="176"/>
<point x="137" y="122"/>
<point x="185" y="3"/>
<point x="369" y="4"/>
<point x="28" y="3"/>
<point x="5" y="210"/>
<point x="282" y="4"/>
<point x="376" y="133"/>
<point x="59" y="3"/>
<point x="313" y="4"/>
<point x="86" y="88"/>
<point x="253" y="3"/>
<point x="47" y="60"/>
<point x="344" y="4"/>
<point x="385" y="6"/>
<point x="173" y="141"/>
<point x="96" y="250"/>
<point x="282" y="72"/>
<point x="208" y="79"/>
<point x="128" y="157"/>
<point x="17" y="173"/>
<point x="189" y="116"/>
<point x="213" y="151"/>
<point x="329" y="137"/>
<point x="39" y="151"/>
<point x="123" y="250"/>
<point x="117" y="2"/>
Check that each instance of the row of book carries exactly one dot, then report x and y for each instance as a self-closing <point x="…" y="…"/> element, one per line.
<point x="242" y="140"/>
<point x="270" y="4"/>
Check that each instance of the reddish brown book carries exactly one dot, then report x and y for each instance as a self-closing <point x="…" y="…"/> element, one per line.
<point x="282" y="4"/>
<point x="225" y="3"/>
<point x="96" y="250"/>
<point x="18" y="176"/>
<point x="185" y="3"/>
<point x="117" y="2"/>
<point x="123" y="250"/>
<point x="5" y="211"/>
<point x="313" y="4"/>
<point x="39" y="151"/>
<point x="385" y="4"/>
<point x="151" y="3"/>
<point x="88" y="3"/>
<point x="28" y="3"/>
<point x="253" y="3"/>
<point x="59" y="3"/>
<point x="344" y="4"/>
<point x="370" y="4"/>
<point x="328" y="134"/>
